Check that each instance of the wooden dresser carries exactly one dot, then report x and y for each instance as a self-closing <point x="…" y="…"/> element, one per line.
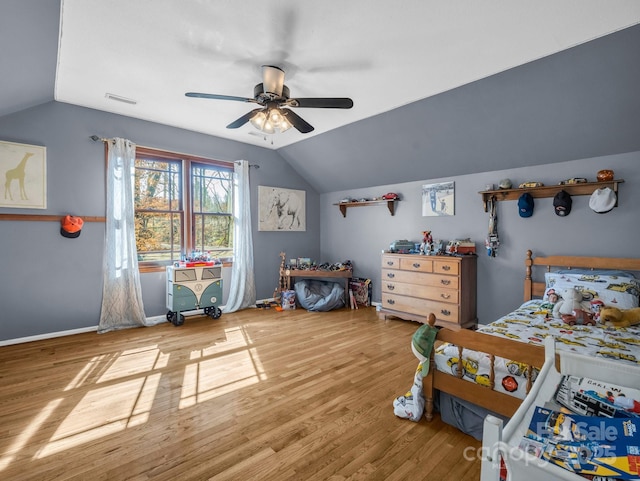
<point x="415" y="285"/>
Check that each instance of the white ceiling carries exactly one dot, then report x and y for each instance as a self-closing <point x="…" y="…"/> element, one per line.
<point x="382" y="54"/>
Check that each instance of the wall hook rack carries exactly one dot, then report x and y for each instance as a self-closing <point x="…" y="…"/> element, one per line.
<point x="585" y="188"/>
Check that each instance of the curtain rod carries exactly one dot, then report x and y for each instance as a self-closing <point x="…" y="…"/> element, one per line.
<point x="95" y="138"/>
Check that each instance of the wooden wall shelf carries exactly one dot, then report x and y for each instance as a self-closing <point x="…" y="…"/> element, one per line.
<point x="391" y="205"/>
<point x="586" y="188"/>
<point x="48" y="217"/>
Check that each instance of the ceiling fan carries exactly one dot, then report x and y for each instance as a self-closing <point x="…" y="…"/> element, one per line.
<point x="272" y="95"/>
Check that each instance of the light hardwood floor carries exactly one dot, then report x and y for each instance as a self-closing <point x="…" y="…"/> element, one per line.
<point x="254" y="395"/>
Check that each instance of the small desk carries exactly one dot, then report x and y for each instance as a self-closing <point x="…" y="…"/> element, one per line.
<point x="344" y="274"/>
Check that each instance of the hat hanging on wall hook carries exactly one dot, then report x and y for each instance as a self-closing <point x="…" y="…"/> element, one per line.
<point x="71" y="226"/>
<point x="562" y="203"/>
<point x="603" y="200"/>
<point x="525" y="205"/>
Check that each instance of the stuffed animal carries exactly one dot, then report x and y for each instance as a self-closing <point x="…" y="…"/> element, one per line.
<point x="614" y="317"/>
<point x="572" y="309"/>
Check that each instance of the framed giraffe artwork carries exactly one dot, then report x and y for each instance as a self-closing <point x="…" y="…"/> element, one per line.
<point x="23" y="175"/>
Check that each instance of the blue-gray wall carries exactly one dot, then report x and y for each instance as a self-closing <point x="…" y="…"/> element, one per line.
<point x="53" y="284"/>
<point x="366" y="231"/>
<point x="579" y="103"/>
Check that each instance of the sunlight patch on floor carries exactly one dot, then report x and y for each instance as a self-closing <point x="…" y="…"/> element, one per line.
<point x="125" y="387"/>
<point x="211" y="377"/>
<point x="23" y="439"/>
<point x="104" y="411"/>
<point x="132" y="363"/>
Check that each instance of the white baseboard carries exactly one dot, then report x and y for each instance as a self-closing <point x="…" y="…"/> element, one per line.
<point x="49" y="335"/>
<point x="268" y="299"/>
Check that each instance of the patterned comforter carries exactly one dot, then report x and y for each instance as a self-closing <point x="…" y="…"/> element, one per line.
<point x="531" y="323"/>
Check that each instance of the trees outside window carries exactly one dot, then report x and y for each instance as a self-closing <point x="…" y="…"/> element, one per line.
<point x="183" y="204"/>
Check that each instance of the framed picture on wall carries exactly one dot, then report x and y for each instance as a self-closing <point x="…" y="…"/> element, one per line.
<point x="23" y="175"/>
<point x="281" y="209"/>
<point x="438" y="199"/>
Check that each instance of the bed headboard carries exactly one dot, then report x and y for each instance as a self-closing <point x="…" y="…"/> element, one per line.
<point x="534" y="283"/>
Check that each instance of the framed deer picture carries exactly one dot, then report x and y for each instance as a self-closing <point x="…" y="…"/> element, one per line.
<point x="281" y="210"/>
<point x="23" y="175"/>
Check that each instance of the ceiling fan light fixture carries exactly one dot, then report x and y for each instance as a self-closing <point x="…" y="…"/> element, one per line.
<point x="270" y="121"/>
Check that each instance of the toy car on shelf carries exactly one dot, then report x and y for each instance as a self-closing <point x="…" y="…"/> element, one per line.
<point x="574" y="180"/>
<point x="391" y="196"/>
<point x="530" y="185"/>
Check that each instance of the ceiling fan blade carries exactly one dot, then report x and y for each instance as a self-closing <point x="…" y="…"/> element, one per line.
<point x="243" y="120"/>
<point x="321" y="103"/>
<point x="298" y="122"/>
<point x="219" y="97"/>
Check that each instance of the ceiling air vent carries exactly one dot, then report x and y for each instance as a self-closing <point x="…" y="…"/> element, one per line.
<point x="120" y="99"/>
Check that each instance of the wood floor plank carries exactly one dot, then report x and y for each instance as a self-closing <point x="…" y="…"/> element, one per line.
<point x="257" y="394"/>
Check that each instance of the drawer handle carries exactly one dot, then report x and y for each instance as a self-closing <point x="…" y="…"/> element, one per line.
<point x="416" y="265"/>
<point x="445" y="282"/>
<point x="389" y="263"/>
<point x="446" y="268"/>
<point x="390" y="275"/>
<point x="391" y="301"/>
<point x="445" y="296"/>
<point x="391" y="287"/>
<point x="445" y="312"/>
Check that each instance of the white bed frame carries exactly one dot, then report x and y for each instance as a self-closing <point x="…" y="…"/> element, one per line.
<point x="499" y="442"/>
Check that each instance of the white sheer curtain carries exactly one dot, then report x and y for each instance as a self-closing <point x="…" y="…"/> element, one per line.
<point x="121" y="295"/>
<point x="242" y="291"/>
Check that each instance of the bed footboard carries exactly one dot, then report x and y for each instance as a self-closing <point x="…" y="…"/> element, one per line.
<point x="484" y="396"/>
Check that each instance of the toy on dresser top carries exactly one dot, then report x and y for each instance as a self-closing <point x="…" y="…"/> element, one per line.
<point x="461" y="247"/>
<point x="402" y="246"/>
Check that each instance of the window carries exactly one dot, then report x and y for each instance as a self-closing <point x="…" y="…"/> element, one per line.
<point x="183" y="205"/>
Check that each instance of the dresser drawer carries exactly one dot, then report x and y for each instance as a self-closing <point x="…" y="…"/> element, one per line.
<point x="442" y="294"/>
<point x="390" y="262"/>
<point x="420" y="307"/>
<point x="420" y="290"/>
<point x="416" y="264"/>
<point x="442" y="266"/>
<point x="437" y="280"/>
<point x="404" y="289"/>
<point x="419" y="278"/>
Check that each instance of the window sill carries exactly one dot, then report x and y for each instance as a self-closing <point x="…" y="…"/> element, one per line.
<point x="145" y="268"/>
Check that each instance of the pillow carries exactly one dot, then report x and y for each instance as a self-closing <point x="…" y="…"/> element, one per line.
<point x="596" y="272"/>
<point x="613" y="290"/>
